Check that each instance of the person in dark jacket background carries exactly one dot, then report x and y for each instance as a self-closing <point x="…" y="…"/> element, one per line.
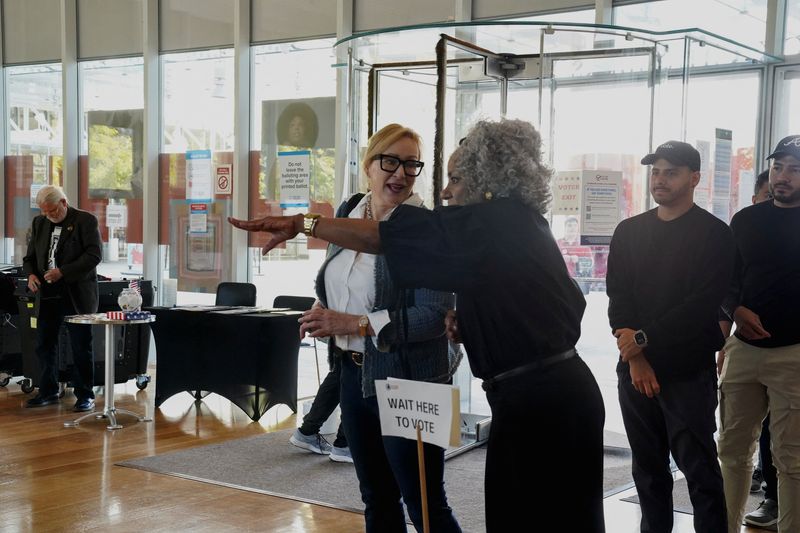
<point x="668" y="272"/>
<point x="64" y="249"/>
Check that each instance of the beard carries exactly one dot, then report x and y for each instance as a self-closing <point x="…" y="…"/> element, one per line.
<point x="786" y="197"/>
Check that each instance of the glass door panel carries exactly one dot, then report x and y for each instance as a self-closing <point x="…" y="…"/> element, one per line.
<point x="598" y="128"/>
<point x="786" y="104"/>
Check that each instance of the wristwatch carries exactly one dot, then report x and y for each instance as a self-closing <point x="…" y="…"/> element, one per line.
<point x="640" y="338"/>
<point x="363" y="325"/>
<point x="310" y="223"/>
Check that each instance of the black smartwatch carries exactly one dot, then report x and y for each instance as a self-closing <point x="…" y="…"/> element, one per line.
<point x="640" y="338"/>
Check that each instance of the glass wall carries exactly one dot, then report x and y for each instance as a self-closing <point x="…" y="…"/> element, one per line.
<point x="791" y="45"/>
<point x="292" y="157"/>
<point x="110" y="161"/>
<point x="744" y="21"/>
<point x="585" y="16"/>
<point x="196" y="145"/>
<point x="786" y="109"/>
<point x="34" y="148"/>
<point x="722" y="122"/>
<point x="595" y="150"/>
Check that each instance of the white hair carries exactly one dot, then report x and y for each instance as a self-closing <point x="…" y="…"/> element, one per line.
<point x="50" y="194"/>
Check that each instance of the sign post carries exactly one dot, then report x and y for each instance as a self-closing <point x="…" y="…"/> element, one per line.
<point x="423" y="412"/>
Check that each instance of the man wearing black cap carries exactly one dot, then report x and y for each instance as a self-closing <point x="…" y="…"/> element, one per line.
<point x="668" y="271"/>
<point x="762" y="360"/>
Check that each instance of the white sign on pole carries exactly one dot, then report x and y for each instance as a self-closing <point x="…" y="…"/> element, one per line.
<point x="601" y="190"/>
<point x="116" y="216"/>
<point x="198" y="175"/>
<point x="406" y="405"/>
<point x="295" y="172"/>
<point x="222" y="181"/>
<point x="567" y="193"/>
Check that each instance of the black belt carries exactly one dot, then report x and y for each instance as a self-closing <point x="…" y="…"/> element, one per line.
<point x="489" y="384"/>
<point x="356" y="357"/>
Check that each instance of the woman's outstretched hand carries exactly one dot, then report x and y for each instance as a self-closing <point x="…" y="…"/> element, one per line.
<point x="281" y="229"/>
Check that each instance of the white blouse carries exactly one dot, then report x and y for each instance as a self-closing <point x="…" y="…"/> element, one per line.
<point x="350" y="284"/>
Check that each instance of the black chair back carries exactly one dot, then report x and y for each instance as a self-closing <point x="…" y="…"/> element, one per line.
<point x="296" y="303"/>
<point x="232" y="293"/>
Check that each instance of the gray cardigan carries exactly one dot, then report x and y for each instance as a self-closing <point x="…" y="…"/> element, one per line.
<point x="426" y="352"/>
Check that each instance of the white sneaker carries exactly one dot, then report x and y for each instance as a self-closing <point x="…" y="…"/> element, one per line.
<point x="341" y="455"/>
<point x="315" y="443"/>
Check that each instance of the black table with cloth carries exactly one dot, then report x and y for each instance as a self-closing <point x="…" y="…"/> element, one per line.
<point x="250" y="359"/>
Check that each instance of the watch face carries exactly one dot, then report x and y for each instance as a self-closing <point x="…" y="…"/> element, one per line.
<point x="639" y="337"/>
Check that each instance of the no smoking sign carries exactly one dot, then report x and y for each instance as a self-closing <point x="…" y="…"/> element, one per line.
<point x="222" y="181"/>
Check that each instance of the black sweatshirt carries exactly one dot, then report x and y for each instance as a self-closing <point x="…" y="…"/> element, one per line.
<point x="668" y="278"/>
<point x="766" y="276"/>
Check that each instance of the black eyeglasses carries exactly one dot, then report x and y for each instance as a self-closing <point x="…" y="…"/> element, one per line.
<point x="390" y="163"/>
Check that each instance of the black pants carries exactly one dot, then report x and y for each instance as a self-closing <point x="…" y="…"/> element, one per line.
<point x="681" y="420"/>
<point x="387" y="467"/>
<point x="546" y="437"/>
<point x="51" y="315"/>
<point x="768" y="470"/>
<point x="324" y="404"/>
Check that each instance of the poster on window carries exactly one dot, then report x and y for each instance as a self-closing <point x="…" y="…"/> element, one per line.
<point x="198" y="175"/>
<point x="721" y="193"/>
<point x="295" y="178"/>
<point x="116" y="216"/>
<point x="35" y="188"/>
<point x="222" y="180"/>
<point x="198" y="218"/>
<point x="600" y="200"/>
<point x="567" y="193"/>
<point x="702" y="193"/>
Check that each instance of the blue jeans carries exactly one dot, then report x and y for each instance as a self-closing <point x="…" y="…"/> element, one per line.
<point x="387" y="467"/>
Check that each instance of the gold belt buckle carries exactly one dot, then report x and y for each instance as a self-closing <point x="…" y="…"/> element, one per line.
<point x="357" y="357"/>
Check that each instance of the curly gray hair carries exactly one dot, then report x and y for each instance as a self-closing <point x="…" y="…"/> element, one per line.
<point x="504" y="159"/>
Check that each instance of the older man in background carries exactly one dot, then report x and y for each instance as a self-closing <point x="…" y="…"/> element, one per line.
<point x="64" y="249"/>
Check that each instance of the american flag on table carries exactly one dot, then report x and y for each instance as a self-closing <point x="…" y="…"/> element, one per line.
<point x="127" y="315"/>
<point x="134" y="284"/>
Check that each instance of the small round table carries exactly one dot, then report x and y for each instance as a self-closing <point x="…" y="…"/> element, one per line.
<point x="109" y="411"/>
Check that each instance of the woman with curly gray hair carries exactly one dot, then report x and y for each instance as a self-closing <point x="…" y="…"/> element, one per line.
<point x="503" y="160"/>
<point x="519" y="316"/>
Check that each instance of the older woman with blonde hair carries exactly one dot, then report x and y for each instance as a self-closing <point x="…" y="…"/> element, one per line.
<point x="519" y="316"/>
<point x="378" y="330"/>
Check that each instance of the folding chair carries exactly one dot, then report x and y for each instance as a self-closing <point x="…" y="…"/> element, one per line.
<point x="299" y="303"/>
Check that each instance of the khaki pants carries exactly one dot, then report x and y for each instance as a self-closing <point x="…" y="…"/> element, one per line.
<point x="755" y="381"/>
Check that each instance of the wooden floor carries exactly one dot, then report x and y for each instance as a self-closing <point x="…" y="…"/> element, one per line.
<point x="54" y="478"/>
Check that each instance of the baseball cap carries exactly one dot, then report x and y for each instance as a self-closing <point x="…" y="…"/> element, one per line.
<point x="787" y="146"/>
<point x="677" y="153"/>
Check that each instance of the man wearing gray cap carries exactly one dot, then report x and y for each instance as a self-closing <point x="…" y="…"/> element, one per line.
<point x="762" y="359"/>
<point x="668" y="271"/>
